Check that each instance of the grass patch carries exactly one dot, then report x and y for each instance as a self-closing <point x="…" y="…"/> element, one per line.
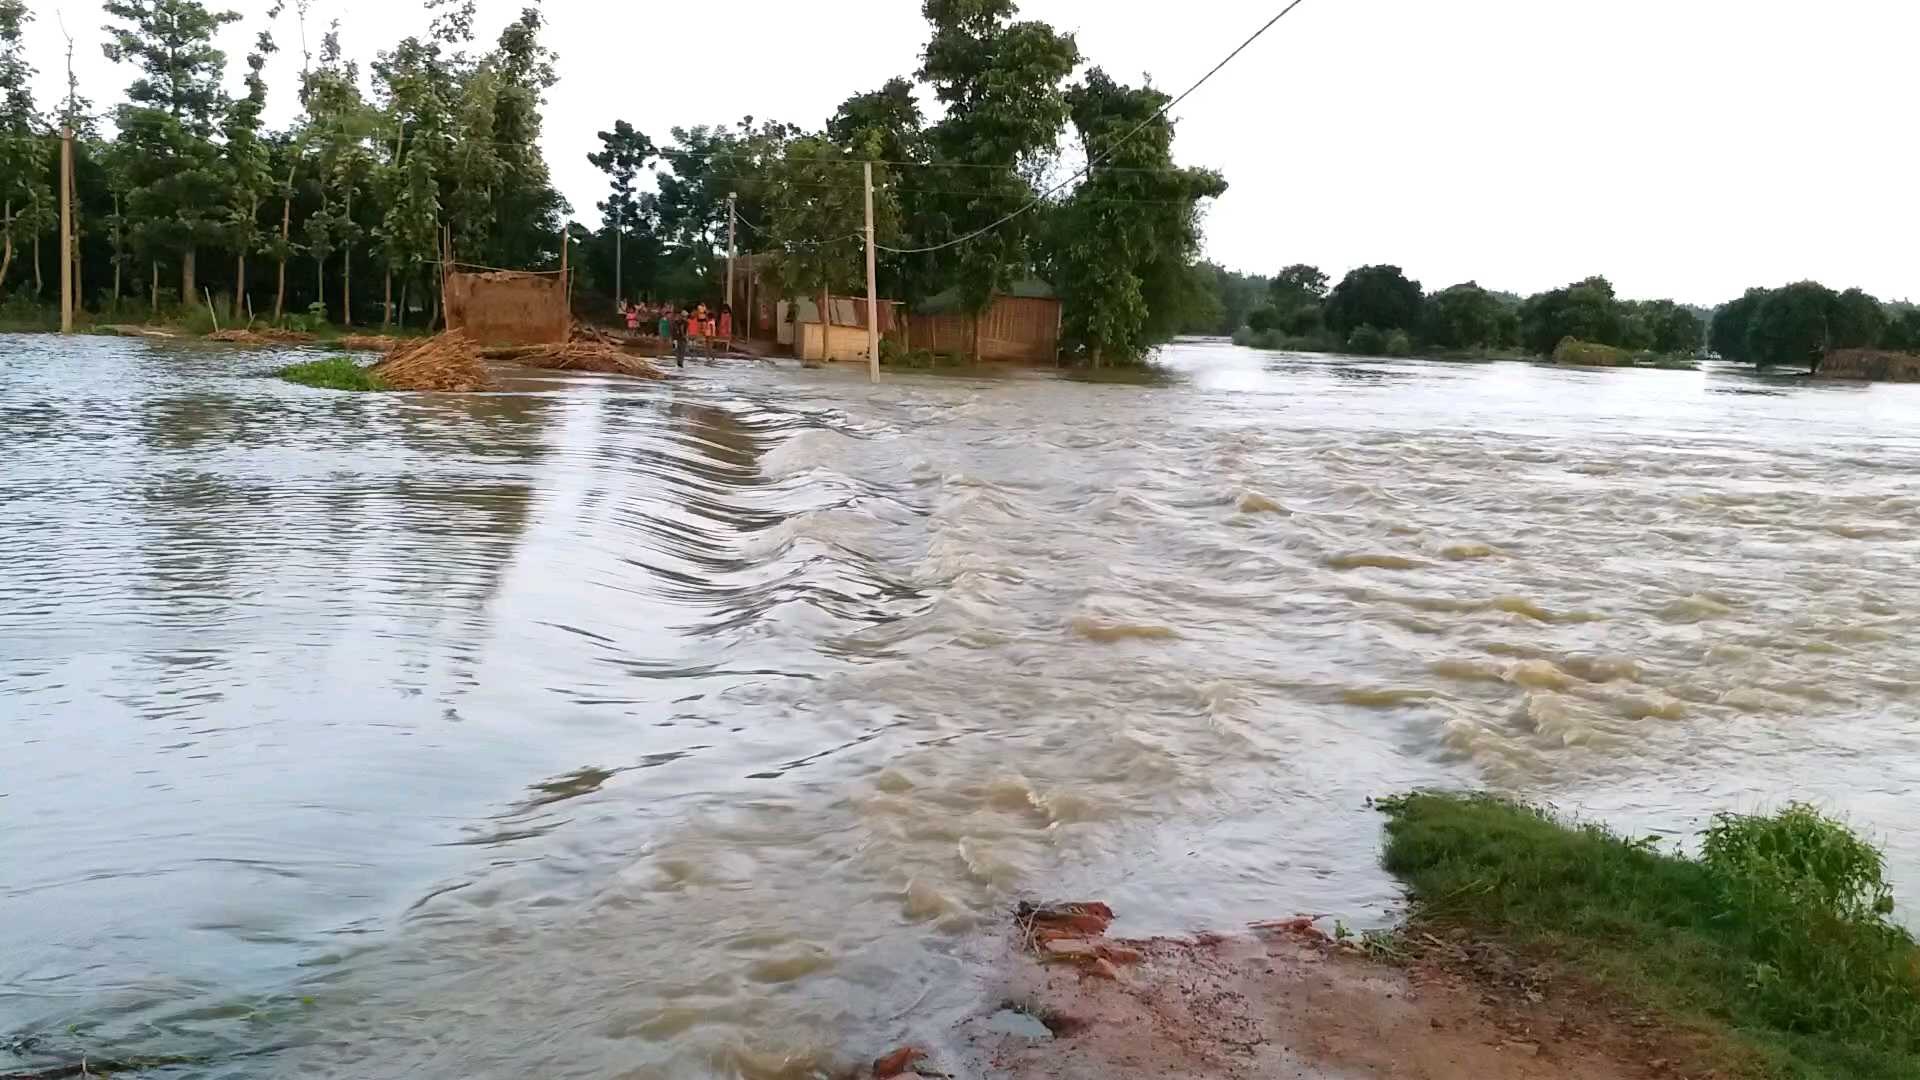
<point x="333" y="373"/>
<point x="1776" y="941"/>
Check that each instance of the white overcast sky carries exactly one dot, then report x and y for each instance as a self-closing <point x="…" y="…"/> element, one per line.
<point x="1683" y="148"/>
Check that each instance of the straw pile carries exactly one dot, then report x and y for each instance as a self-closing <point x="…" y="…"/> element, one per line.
<point x="270" y="335"/>
<point x="579" y="355"/>
<point x="367" y="342"/>
<point x="447" y="362"/>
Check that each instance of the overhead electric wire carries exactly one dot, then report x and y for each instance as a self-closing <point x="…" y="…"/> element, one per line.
<point x="1115" y="145"/>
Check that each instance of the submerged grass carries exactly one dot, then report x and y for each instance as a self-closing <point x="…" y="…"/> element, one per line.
<point x="333" y="373"/>
<point x="1776" y="942"/>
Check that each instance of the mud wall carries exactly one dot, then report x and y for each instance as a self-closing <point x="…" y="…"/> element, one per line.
<point x="506" y="308"/>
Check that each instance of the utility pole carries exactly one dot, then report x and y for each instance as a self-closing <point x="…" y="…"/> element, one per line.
<point x="619" y="226"/>
<point x="873" y="297"/>
<point x="66" y="230"/>
<point x="731" y="216"/>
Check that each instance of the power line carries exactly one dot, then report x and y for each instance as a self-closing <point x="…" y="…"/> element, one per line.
<point x="1092" y="162"/>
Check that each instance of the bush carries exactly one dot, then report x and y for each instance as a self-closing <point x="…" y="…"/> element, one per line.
<point x="1575" y="351"/>
<point x="1367" y="340"/>
<point x="1777" y="938"/>
<point x="1398" y="344"/>
<point x="333" y="373"/>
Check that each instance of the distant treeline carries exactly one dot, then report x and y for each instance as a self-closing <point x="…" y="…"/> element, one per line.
<point x="1379" y="310"/>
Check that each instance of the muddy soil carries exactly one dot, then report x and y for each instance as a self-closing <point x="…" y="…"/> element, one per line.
<point x="1291" y="1004"/>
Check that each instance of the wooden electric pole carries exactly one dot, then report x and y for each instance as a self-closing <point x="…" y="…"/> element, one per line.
<point x="731" y="215"/>
<point x="66" y="230"/>
<point x="619" y="226"/>
<point x="873" y="297"/>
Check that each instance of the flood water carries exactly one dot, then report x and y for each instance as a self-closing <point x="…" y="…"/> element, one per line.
<point x="607" y="729"/>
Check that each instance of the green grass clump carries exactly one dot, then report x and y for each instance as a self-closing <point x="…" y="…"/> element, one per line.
<point x="333" y="373"/>
<point x="1777" y="940"/>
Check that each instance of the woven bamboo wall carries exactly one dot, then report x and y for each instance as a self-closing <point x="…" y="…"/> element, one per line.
<point x="1013" y="328"/>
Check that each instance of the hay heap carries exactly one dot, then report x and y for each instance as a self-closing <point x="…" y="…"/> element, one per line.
<point x="446" y="362"/>
<point x="270" y="335"/>
<point x="579" y="355"/>
<point x="1876" y="364"/>
<point x="367" y="342"/>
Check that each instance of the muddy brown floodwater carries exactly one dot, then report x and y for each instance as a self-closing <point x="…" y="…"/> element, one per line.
<point x="605" y="729"/>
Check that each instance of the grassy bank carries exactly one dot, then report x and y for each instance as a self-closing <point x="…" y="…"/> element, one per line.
<point x="1776" y="943"/>
<point x="332" y="373"/>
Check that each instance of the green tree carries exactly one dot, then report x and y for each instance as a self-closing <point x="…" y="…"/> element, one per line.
<point x="526" y="209"/>
<point x="1729" y="333"/>
<point x="337" y="128"/>
<point x="1378" y="296"/>
<point x="1792" y="326"/>
<point x="624" y="152"/>
<point x="708" y="163"/>
<point x="411" y="86"/>
<point x="1298" y="286"/>
<point x="1000" y="81"/>
<point x="177" y="178"/>
<point x="881" y="125"/>
<point x="1585" y="310"/>
<point x="1123" y="244"/>
<point x="25" y="194"/>
<point x="249" y="162"/>
<point x="1856" y="321"/>
<point x="1902" y="332"/>
<point x="817" y="215"/>
<point x="1671" y="329"/>
<point x="1236" y="296"/>
<point x="886" y="125"/>
<point x="1464" y="316"/>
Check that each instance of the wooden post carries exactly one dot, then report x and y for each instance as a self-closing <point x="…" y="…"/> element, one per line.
<point x="66" y="230"/>
<point x="826" y="324"/>
<point x="873" y="301"/>
<point x="731" y="197"/>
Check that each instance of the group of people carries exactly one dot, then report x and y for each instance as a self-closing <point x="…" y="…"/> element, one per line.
<point x="682" y="327"/>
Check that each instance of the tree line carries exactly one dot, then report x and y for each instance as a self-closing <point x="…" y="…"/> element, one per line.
<point x="1379" y="310"/>
<point x="191" y="200"/>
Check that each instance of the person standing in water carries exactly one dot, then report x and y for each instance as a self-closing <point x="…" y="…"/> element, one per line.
<point x="680" y="330"/>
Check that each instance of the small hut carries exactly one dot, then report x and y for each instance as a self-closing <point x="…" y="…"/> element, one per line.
<point x="1021" y="324"/>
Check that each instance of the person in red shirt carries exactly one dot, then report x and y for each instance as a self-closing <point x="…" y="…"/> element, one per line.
<point x="726" y="326"/>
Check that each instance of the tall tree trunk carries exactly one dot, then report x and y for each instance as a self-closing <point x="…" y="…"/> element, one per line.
<point x="6" y="259"/>
<point x="187" y="291"/>
<point x="116" y="252"/>
<point x="386" y="305"/>
<point x="36" y="264"/>
<point x="346" y="264"/>
<point x="405" y="285"/>
<point x="239" y="286"/>
<point x="320" y="280"/>
<point x="154" y="292"/>
<point x="286" y="234"/>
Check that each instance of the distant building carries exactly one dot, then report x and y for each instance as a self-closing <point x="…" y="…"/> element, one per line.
<point x="1021" y="324"/>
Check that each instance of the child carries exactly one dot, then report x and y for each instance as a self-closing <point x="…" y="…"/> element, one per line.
<point x="633" y="318"/>
<point x="666" y="323"/>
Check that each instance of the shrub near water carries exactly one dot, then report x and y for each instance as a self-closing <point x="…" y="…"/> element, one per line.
<point x="333" y="373"/>
<point x="1777" y="940"/>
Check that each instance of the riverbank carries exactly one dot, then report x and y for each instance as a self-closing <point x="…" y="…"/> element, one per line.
<point x="1534" y="948"/>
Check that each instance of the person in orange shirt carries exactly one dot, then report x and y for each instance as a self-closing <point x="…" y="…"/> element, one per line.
<point x="726" y="326"/>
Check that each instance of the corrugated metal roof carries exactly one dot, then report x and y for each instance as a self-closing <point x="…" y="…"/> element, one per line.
<point x="948" y="301"/>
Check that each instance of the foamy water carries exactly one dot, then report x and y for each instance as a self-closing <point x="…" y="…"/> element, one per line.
<point x="605" y="729"/>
